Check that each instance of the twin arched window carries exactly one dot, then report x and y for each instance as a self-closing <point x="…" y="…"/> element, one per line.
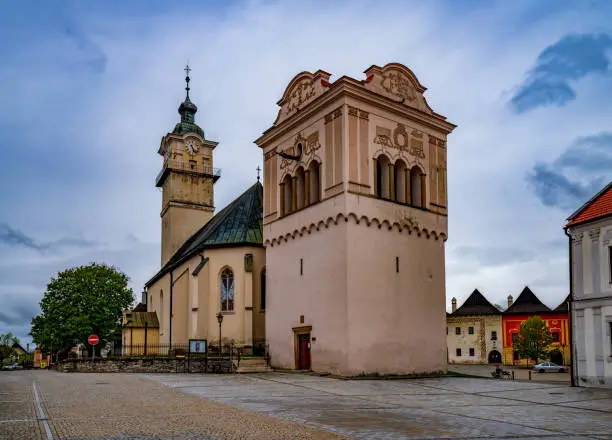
<point x="398" y="183"/>
<point x="227" y="290"/>
<point x="301" y="189"/>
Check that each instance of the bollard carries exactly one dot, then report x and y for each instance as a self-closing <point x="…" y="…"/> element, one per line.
<point x="512" y="374"/>
<point x="529" y="374"/>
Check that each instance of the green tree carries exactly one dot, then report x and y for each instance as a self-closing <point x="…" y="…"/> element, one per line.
<point x="78" y="302"/>
<point x="534" y="339"/>
<point x="6" y="345"/>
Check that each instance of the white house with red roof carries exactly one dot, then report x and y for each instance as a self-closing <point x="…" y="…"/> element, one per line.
<point x="590" y="253"/>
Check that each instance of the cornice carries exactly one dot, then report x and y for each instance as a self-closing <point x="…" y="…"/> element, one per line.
<point x="353" y="88"/>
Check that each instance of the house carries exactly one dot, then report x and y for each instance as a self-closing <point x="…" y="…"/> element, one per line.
<point x="589" y="230"/>
<point x="140" y="332"/>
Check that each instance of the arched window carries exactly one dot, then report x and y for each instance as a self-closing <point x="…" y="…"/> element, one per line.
<point x="400" y="181"/>
<point x="417" y="187"/>
<point x="314" y="187"/>
<point x="227" y="290"/>
<point x="300" y="188"/>
<point x="383" y="180"/>
<point x="287" y="195"/>
<point x="262" y="287"/>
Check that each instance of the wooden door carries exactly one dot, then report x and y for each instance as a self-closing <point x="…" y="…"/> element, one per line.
<point x="304" y="352"/>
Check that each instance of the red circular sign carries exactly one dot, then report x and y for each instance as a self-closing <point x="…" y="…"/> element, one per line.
<point x="93" y="340"/>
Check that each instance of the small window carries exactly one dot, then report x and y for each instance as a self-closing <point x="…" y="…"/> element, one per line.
<point x="458" y="351"/>
<point x="555" y="336"/>
<point x="610" y="262"/>
<point x="192" y="164"/>
<point x="472" y="353"/>
<point x="514" y="338"/>
<point x="470" y="330"/>
<point x="457" y="330"/>
<point x="494" y="335"/>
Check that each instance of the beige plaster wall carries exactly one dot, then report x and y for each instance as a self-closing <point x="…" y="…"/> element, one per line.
<point x="480" y="341"/>
<point x="178" y="224"/>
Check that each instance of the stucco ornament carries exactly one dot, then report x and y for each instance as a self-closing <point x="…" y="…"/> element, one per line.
<point x="409" y="221"/>
<point x="399" y="85"/>
<point x="309" y="146"/>
<point x="407" y="144"/>
<point x="302" y="92"/>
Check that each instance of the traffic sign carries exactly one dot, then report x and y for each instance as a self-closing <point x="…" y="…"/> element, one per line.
<point x="93" y="340"/>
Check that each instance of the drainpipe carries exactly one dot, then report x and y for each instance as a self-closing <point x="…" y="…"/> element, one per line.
<point x="569" y="311"/>
<point x="170" y="317"/>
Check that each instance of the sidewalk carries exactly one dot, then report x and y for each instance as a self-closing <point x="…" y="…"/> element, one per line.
<point x="519" y="373"/>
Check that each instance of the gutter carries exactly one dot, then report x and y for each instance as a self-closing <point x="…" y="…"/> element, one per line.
<point x="573" y="365"/>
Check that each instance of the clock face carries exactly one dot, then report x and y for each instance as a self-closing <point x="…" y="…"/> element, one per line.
<point x="191" y="147"/>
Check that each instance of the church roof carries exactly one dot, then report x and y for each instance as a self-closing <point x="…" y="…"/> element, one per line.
<point x="238" y="224"/>
<point x="528" y="303"/>
<point x="599" y="206"/>
<point x="562" y="308"/>
<point x="476" y="304"/>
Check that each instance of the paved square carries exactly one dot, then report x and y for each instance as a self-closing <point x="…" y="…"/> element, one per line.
<point x="449" y="407"/>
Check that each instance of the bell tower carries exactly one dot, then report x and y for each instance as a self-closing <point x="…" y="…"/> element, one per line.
<point x="187" y="178"/>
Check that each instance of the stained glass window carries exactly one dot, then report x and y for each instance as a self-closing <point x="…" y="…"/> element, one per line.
<point x="227" y="290"/>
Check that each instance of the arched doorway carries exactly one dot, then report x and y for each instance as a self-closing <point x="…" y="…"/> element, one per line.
<point x="556" y="357"/>
<point x="495" y="357"/>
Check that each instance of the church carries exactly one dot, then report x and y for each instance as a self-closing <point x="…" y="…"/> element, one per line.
<point x="337" y="261"/>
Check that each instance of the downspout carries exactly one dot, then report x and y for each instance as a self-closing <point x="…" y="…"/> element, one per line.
<point x="569" y="311"/>
<point x="170" y="317"/>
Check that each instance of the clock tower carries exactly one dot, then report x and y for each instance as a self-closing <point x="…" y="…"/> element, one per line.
<point x="187" y="178"/>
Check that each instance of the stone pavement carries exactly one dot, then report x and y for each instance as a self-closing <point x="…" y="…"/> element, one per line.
<point x="519" y="373"/>
<point x="48" y="405"/>
<point x="448" y="407"/>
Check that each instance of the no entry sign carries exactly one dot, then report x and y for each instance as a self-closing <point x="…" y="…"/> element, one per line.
<point x="93" y="340"/>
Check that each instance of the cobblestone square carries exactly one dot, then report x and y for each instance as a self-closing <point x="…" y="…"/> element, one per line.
<point x="49" y="405"/>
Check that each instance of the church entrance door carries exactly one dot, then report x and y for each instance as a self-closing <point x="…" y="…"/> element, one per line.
<point x="304" y="352"/>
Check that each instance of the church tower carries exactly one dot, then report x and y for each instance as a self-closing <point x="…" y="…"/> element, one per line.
<point x="355" y="221"/>
<point x="187" y="178"/>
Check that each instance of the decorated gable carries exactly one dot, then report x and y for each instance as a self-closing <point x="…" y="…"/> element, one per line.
<point x="302" y="89"/>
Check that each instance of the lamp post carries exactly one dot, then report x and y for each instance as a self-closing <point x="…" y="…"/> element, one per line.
<point x="219" y="320"/>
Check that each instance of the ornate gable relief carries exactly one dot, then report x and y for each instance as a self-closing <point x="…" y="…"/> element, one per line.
<point x="408" y="142"/>
<point x="302" y="89"/>
<point x="309" y="147"/>
<point x="397" y="82"/>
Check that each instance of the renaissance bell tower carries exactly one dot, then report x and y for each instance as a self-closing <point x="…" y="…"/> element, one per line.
<point x="187" y="179"/>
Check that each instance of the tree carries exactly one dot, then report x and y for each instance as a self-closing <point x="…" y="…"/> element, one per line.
<point x="6" y="344"/>
<point x="534" y="339"/>
<point x="78" y="302"/>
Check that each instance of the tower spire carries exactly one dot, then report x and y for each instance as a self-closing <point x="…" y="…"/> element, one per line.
<point x="187" y="109"/>
<point x="187" y="79"/>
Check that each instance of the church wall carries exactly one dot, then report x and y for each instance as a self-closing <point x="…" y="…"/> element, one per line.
<point x="159" y="306"/>
<point x="180" y="303"/>
<point x="319" y="295"/>
<point x="178" y="224"/>
<point x="396" y="312"/>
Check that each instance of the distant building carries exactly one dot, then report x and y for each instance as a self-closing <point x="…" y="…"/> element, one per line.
<point x="590" y="253"/>
<point x="473" y="331"/>
<point x="527" y="305"/>
<point x="140" y="331"/>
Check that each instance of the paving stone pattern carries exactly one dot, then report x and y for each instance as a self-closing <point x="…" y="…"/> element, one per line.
<point x="126" y="406"/>
<point x="435" y="408"/>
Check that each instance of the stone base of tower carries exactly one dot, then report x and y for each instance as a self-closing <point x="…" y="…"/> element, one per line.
<point x="368" y="299"/>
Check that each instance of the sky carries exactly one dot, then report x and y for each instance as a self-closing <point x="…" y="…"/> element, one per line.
<point x="88" y="90"/>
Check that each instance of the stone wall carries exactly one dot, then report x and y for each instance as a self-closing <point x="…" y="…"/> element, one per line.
<point x="133" y="365"/>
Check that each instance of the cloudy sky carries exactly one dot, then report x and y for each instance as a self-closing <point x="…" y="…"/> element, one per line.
<point x="88" y="90"/>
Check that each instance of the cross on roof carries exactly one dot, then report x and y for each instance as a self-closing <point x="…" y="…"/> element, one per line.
<point x="258" y="170"/>
<point x="187" y="69"/>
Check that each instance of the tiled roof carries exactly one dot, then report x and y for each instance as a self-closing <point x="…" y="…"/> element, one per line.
<point x="600" y="205"/>
<point x="238" y="224"/>
<point x="476" y="304"/>
<point x="562" y="308"/>
<point x="527" y="302"/>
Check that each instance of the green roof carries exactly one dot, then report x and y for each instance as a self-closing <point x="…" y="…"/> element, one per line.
<point x="238" y="224"/>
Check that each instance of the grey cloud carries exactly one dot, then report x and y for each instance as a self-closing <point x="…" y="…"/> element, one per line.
<point x="589" y="158"/>
<point x="495" y="256"/>
<point x="14" y="237"/>
<point x="569" y="59"/>
<point x="96" y="58"/>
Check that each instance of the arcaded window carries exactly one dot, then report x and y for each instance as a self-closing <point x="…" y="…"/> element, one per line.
<point x="300" y="187"/>
<point x="286" y="195"/>
<point x="227" y="290"/>
<point x="383" y="182"/>
<point x="417" y="187"/>
<point x="314" y="181"/>
<point x="399" y="174"/>
<point x="262" y="302"/>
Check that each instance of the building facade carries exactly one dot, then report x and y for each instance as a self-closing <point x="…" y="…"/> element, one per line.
<point x="590" y="253"/>
<point x="355" y="221"/>
<point x="526" y="305"/>
<point x="474" y="331"/>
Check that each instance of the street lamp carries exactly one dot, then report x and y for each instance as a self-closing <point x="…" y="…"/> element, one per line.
<point x="219" y="320"/>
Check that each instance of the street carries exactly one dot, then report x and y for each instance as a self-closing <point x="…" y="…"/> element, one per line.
<point x="50" y="405"/>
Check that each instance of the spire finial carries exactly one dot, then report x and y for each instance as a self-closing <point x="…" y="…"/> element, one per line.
<point x="258" y="170"/>
<point x="187" y="79"/>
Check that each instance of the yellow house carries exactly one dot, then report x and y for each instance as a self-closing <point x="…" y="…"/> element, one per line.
<point x="140" y="332"/>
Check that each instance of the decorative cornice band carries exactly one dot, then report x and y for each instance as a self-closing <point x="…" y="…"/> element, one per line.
<point x="332" y="221"/>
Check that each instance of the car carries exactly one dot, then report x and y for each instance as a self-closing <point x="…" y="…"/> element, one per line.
<point x="545" y="367"/>
<point x="12" y="366"/>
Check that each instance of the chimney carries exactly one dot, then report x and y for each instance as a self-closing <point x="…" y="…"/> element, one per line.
<point x="510" y="300"/>
<point x="143" y="297"/>
<point x="454" y="304"/>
